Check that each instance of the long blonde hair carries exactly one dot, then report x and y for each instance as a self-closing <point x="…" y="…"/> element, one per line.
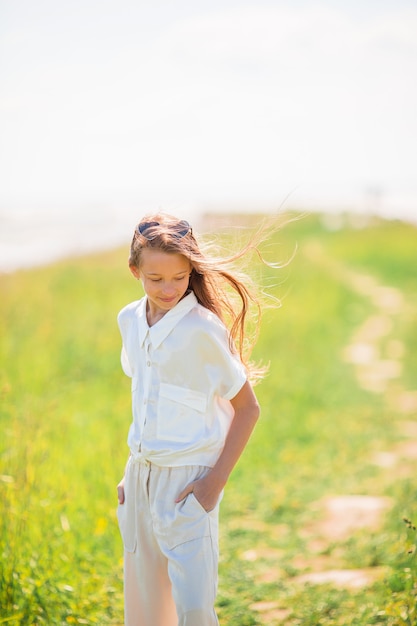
<point x="229" y="294"/>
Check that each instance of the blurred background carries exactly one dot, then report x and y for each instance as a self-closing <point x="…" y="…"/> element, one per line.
<point x="113" y="109"/>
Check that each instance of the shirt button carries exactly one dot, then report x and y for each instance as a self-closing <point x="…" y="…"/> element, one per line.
<point x="148" y="363"/>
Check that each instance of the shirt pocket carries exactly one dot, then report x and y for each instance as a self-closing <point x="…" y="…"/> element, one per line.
<point x="181" y="413"/>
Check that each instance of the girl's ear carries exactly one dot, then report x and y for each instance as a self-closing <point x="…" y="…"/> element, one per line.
<point x="134" y="271"/>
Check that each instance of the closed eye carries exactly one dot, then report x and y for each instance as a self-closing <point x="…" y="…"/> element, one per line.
<point x="177" y="278"/>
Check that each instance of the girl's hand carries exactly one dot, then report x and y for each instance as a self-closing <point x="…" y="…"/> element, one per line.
<point x="121" y="491"/>
<point x="206" y="490"/>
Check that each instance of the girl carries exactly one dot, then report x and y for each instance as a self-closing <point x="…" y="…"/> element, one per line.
<point x="193" y="412"/>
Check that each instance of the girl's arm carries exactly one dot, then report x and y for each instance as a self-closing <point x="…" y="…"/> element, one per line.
<point x="207" y="490"/>
<point x="121" y="486"/>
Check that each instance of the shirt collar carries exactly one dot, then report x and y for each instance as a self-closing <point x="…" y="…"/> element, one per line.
<point x="164" y="326"/>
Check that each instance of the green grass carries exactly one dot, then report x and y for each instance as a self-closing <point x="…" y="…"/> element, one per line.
<point x="65" y="411"/>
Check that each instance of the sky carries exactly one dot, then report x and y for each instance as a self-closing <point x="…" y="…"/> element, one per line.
<point x="216" y="104"/>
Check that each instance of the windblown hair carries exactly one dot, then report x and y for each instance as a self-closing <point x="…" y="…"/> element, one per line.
<point x="228" y="293"/>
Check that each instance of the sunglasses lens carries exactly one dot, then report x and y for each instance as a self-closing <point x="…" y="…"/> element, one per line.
<point x="182" y="228"/>
<point x="179" y="230"/>
<point x="145" y="227"/>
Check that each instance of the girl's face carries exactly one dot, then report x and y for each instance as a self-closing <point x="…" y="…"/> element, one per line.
<point x="165" y="277"/>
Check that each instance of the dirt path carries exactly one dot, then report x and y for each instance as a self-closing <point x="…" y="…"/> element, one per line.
<point x="375" y="352"/>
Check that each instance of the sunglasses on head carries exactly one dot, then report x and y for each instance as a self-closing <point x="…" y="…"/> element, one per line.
<point x="178" y="230"/>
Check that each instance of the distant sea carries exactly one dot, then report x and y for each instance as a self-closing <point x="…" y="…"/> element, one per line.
<point x="30" y="238"/>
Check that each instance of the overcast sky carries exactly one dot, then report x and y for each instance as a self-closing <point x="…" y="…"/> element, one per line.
<point x="207" y="102"/>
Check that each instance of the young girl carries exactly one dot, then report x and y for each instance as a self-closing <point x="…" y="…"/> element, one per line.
<point x="193" y="412"/>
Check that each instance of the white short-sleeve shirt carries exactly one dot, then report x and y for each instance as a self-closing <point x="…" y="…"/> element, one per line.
<point x="183" y="378"/>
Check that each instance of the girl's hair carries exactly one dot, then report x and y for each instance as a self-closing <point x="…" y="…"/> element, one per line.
<point x="229" y="294"/>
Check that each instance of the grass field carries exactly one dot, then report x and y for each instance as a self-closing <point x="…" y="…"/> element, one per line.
<point x="312" y="520"/>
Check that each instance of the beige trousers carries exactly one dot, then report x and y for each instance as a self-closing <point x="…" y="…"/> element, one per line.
<point x="170" y="549"/>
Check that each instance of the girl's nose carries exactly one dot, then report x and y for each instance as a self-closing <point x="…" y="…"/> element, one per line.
<point x="168" y="289"/>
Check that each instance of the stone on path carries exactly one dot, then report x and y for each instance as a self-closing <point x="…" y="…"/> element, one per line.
<point x="345" y="514"/>
<point x="344" y="578"/>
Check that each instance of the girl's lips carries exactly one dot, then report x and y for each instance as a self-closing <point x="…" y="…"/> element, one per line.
<point x="167" y="300"/>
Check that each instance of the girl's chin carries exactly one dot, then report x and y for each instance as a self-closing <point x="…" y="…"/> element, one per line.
<point x="168" y="303"/>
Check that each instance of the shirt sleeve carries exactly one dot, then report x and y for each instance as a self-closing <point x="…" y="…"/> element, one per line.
<point x="122" y="320"/>
<point x="125" y="363"/>
<point x="224" y="367"/>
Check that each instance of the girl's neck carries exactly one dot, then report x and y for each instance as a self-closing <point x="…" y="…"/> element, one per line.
<point x="153" y="316"/>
